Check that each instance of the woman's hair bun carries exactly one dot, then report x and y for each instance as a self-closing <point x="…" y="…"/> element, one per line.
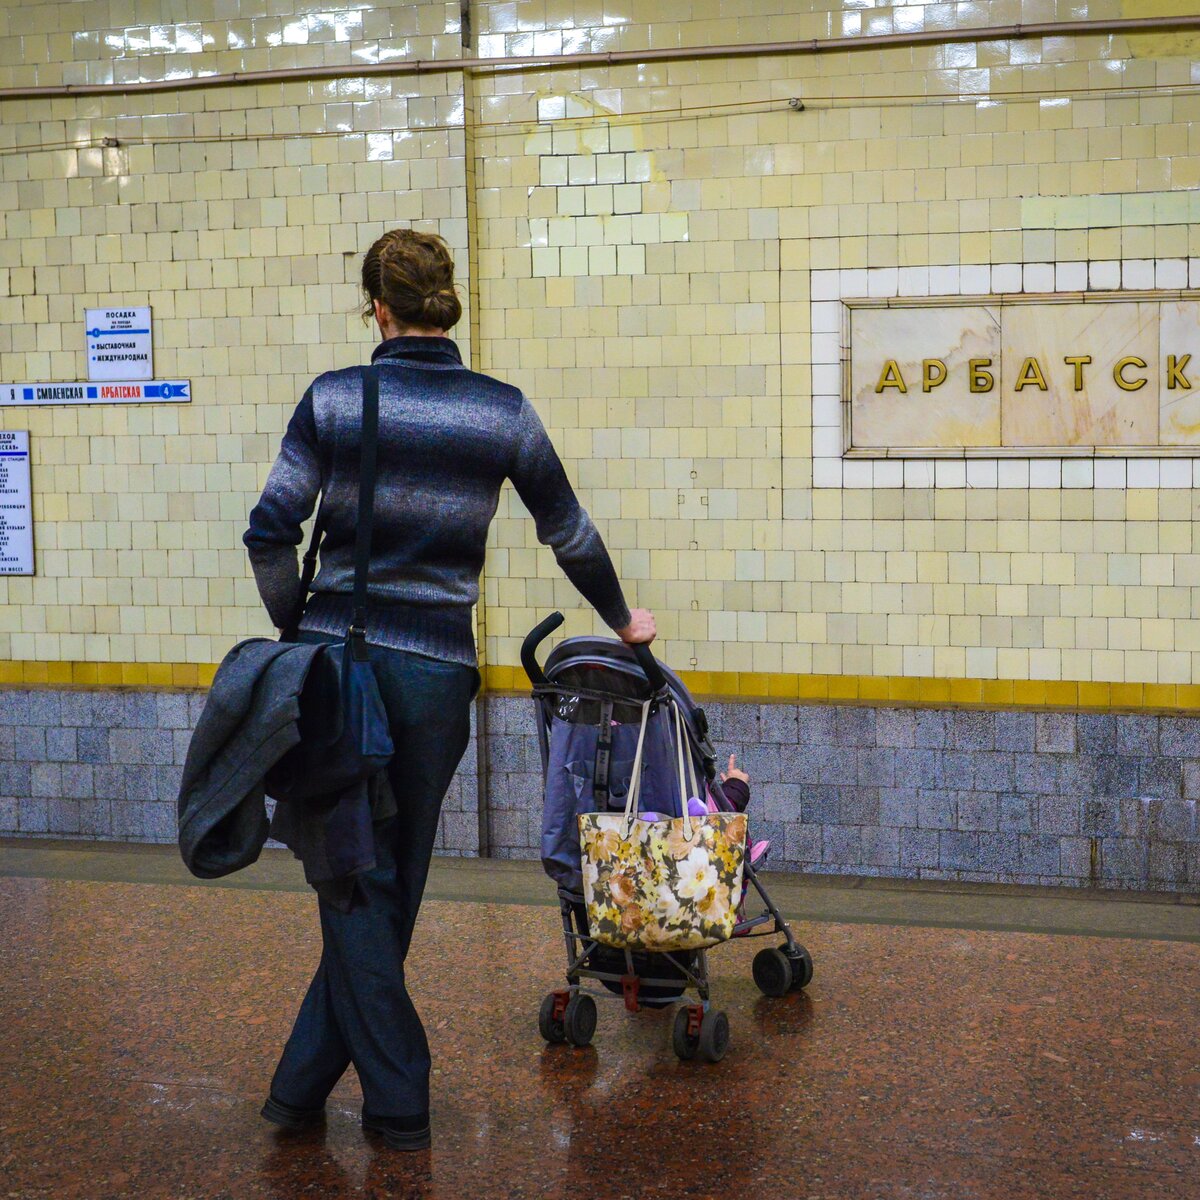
<point x="441" y="309"/>
<point x="413" y="274"/>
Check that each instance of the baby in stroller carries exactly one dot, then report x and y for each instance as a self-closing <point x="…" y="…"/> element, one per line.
<point x="736" y="786"/>
<point x="735" y="783"/>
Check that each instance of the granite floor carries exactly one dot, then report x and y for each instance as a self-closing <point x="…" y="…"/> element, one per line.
<point x="139" y="1023"/>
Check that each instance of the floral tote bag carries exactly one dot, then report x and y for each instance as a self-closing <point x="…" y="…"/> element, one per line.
<point x="662" y="885"/>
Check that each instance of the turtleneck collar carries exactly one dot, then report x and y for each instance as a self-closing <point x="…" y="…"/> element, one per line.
<point x="431" y="351"/>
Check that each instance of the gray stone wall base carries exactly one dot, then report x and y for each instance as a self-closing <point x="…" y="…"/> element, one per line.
<point x="107" y="764"/>
<point x="990" y="796"/>
<point x="1081" y="799"/>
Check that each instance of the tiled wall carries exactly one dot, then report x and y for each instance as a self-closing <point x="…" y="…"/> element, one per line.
<point x="240" y="216"/>
<point x="654" y="244"/>
<point x="700" y="397"/>
<point x="1080" y="799"/>
<point x="120" y="41"/>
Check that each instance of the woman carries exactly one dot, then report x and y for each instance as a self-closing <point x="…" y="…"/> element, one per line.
<point x="448" y="438"/>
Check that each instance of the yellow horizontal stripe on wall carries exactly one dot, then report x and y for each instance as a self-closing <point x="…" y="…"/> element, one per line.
<point x="710" y="685"/>
<point x="908" y="689"/>
<point x="106" y="674"/>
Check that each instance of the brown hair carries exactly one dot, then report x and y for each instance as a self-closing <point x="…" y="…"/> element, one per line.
<point x="413" y="274"/>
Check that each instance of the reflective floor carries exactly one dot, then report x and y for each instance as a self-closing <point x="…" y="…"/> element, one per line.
<point x="140" y="1022"/>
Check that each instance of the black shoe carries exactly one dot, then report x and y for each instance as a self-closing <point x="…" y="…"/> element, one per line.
<point x="291" y="1118"/>
<point x="401" y="1133"/>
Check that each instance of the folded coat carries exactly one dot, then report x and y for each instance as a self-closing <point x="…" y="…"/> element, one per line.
<point x="250" y="721"/>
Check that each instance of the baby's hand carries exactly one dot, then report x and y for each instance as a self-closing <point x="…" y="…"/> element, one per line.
<point x="733" y="773"/>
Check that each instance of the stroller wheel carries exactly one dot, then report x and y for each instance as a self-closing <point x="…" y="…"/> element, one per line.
<point x="714" y="1036"/>
<point x="579" y="1021"/>
<point x="773" y="972"/>
<point x="684" y="1044"/>
<point x="551" y="1027"/>
<point x="802" y="967"/>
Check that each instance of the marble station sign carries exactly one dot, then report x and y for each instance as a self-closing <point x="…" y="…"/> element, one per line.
<point x="1023" y="376"/>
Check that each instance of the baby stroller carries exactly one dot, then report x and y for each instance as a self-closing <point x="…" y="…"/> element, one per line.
<point x="589" y="701"/>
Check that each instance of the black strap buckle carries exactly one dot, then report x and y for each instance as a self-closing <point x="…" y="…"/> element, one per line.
<point x="600" y="783"/>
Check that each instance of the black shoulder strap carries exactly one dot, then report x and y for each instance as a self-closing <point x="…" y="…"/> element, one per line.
<point x="366" y="507"/>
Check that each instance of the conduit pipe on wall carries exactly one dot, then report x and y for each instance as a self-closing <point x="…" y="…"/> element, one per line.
<point x="541" y="62"/>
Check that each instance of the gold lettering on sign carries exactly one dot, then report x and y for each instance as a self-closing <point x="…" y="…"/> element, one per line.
<point x="933" y="372"/>
<point x="1175" y="376"/>
<point x="1078" y="361"/>
<point x="1030" y="374"/>
<point x="891" y="377"/>
<point x="1128" y="385"/>
<point x="981" y="379"/>
<point x="1023" y="375"/>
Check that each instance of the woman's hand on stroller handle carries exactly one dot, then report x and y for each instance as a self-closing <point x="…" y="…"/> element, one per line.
<point x="638" y="635"/>
<point x="641" y="629"/>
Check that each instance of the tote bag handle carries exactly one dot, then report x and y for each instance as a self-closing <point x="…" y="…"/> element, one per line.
<point x="635" y="779"/>
<point x="683" y="755"/>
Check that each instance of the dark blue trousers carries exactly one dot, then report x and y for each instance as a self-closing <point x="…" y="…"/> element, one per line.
<point x="357" y="1009"/>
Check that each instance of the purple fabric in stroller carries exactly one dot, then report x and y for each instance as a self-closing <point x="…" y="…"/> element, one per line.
<point x="570" y="780"/>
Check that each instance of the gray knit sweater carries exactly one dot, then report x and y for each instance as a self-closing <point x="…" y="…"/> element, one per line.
<point x="448" y="439"/>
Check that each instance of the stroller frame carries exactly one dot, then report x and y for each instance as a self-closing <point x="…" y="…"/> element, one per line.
<point x="569" y="1014"/>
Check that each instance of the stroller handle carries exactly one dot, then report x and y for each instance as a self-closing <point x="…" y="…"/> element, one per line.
<point x="541" y="631"/>
<point x="649" y="665"/>
<point x="533" y="639"/>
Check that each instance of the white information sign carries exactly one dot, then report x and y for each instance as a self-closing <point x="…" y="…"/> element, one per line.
<point x="125" y="392"/>
<point x="16" y="508"/>
<point x="118" y="343"/>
